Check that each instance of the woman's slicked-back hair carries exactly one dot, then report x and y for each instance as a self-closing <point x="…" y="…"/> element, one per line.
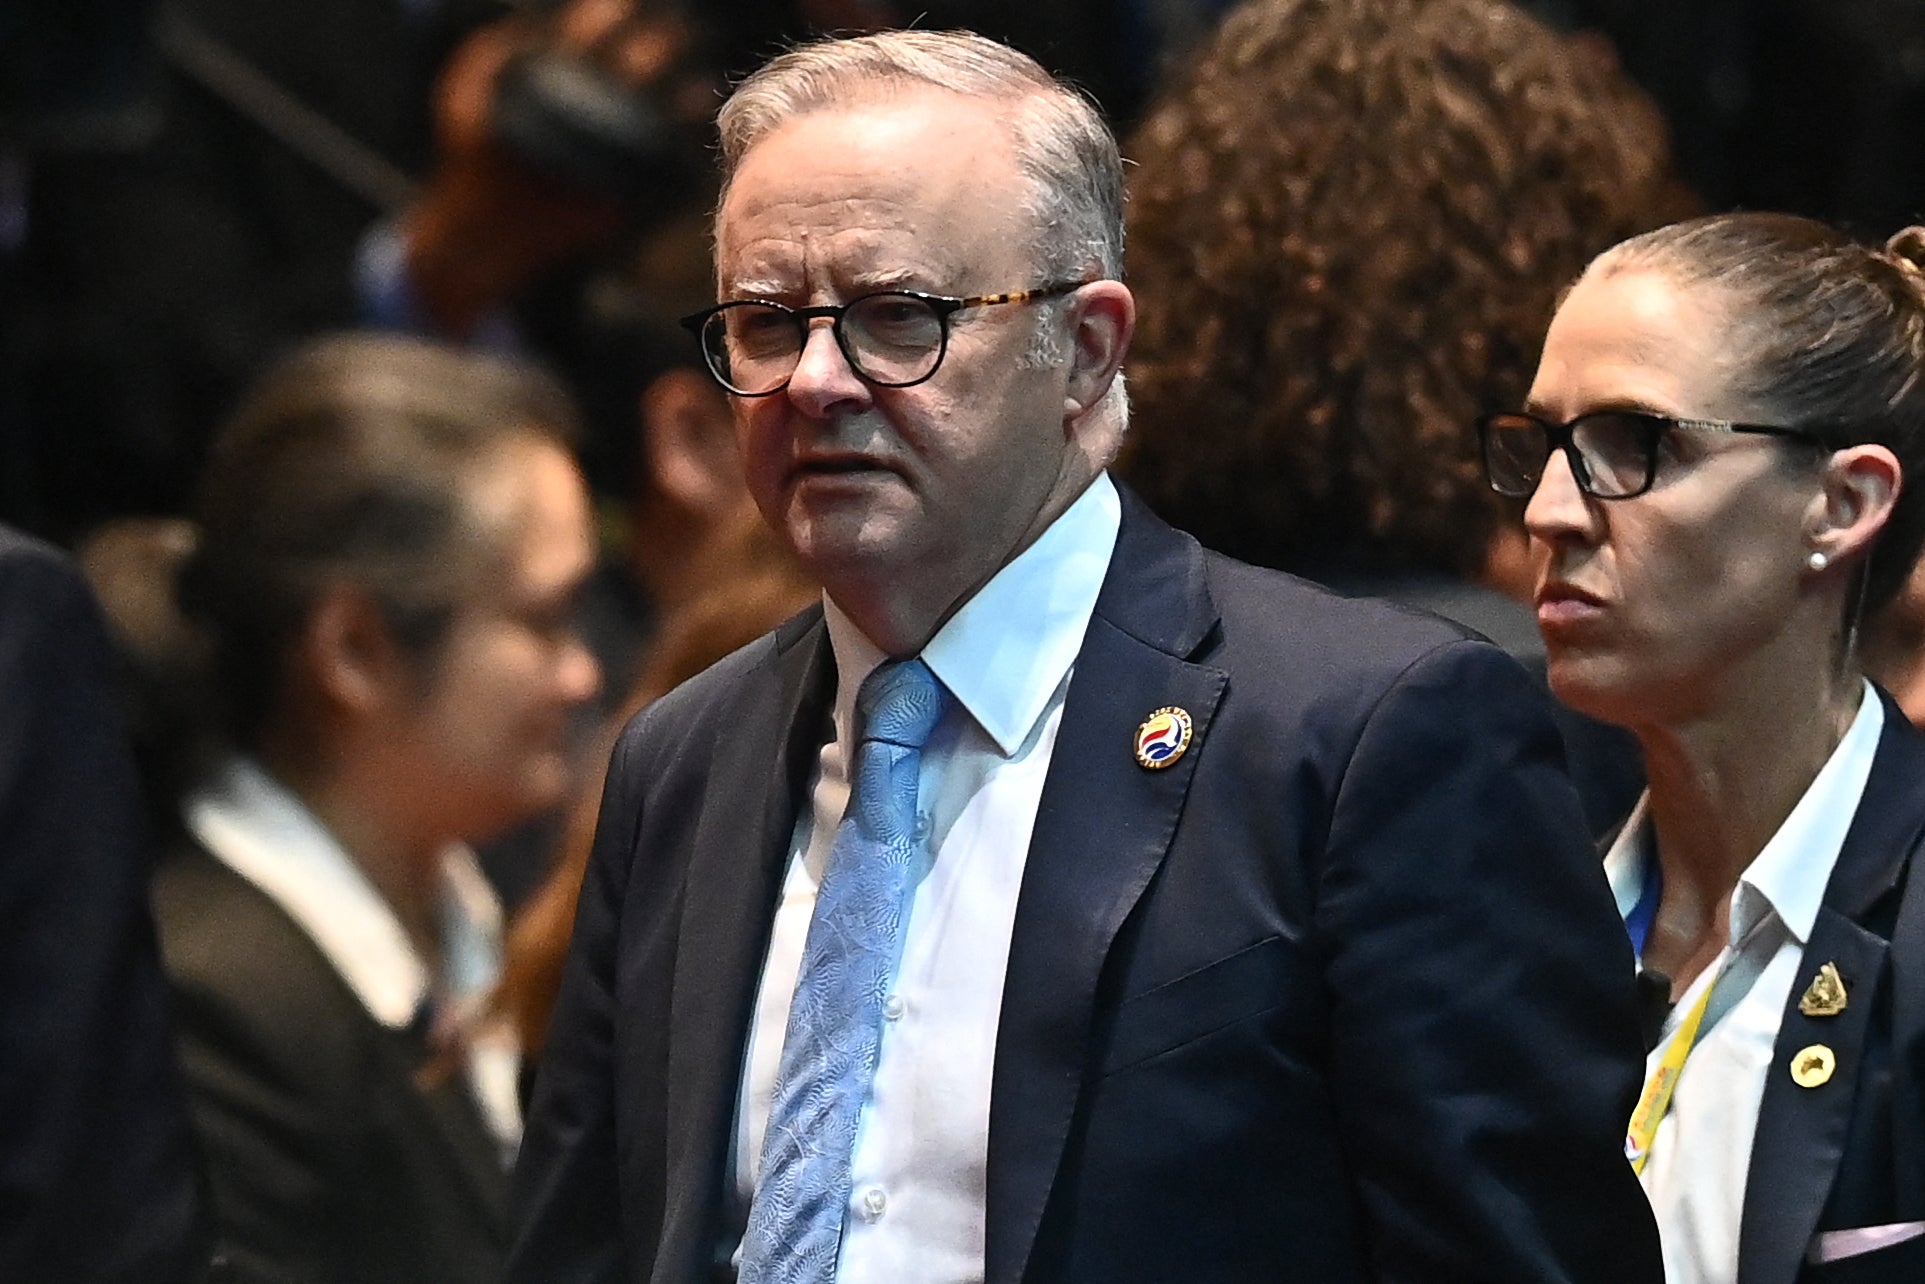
<point x="1350" y="221"/>
<point x="1061" y="141"/>
<point x="352" y="461"/>
<point x="1828" y="335"/>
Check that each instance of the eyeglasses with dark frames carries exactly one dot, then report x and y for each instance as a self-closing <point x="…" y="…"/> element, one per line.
<point x="1613" y="453"/>
<point x="891" y="338"/>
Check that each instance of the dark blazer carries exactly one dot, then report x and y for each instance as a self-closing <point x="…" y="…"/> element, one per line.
<point x="1604" y="760"/>
<point x="330" y="1160"/>
<point x="1851" y="1153"/>
<point x="96" y="1168"/>
<point x="1312" y="1004"/>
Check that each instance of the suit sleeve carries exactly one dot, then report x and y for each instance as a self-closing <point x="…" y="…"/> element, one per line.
<point x="275" y="1115"/>
<point x="96" y="1170"/>
<point x="1485" y="1050"/>
<point x="566" y="1199"/>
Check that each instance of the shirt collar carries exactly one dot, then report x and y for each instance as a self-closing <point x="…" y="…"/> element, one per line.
<point x="1007" y="649"/>
<point x="259" y="829"/>
<point x="1790" y="874"/>
<point x="1626" y="860"/>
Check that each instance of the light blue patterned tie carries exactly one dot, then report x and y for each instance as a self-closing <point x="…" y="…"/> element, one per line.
<point x="848" y="965"/>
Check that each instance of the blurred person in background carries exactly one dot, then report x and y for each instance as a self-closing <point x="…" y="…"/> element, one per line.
<point x="392" y="538"/>
<point x="709" y="575"/>
<point x="735" y="611"/>
<point x="1349" y="221"/>
<point x="411" y="164"/>
<point x="1723" y="450"/>
<point x="97" y="1182"/>
<point x="475" y="170"/>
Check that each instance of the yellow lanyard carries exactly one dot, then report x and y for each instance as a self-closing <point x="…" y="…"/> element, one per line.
<point x="1663" y="1082"/>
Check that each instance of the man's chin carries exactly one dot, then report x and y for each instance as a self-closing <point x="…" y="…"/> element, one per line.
<point x="827" y="534"/>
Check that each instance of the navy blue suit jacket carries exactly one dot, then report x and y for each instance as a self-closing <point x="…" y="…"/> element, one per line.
<point x="1339" y="996"/>
<point x="97" y="1178"/>
<point x="1851" y="1153"/>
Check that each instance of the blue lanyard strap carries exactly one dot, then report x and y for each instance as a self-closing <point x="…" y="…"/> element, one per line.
<point x="1638" y="921"/>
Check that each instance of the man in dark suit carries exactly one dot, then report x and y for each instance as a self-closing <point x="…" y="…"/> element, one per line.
<point x="96" y="1168"/>
<point x="1060" y="902"/>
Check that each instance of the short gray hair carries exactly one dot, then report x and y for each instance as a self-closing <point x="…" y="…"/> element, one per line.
<point x="1061" y="141"/>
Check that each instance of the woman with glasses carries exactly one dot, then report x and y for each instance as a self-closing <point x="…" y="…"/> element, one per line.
<point x="1724" y="457"/>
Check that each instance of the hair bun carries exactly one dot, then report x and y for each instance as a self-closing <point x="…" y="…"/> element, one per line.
<point x="1906" y="250"/>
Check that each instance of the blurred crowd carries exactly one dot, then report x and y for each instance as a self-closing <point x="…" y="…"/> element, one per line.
<point x="340" y="354"/>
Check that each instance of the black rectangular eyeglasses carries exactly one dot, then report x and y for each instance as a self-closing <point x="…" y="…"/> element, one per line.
<point x="892" y="338"/>
<point x="1613" y="453"/>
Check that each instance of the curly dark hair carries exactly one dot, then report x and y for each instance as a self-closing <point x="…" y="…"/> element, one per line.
<point x="1349" y="225"/>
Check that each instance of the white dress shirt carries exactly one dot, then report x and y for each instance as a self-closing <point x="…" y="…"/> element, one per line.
<point x="1695" y="1177"/>
<point x="916" y="1204"/>
<point x="257" y="827"/>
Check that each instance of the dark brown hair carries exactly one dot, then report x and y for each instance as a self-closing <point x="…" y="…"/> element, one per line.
<point x="349" y="461"/>
<point x="1349" y="224"/>
<point x="1829" y="337"/>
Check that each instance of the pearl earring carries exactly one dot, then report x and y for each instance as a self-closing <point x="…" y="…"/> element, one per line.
<point x="1817" y="561"/>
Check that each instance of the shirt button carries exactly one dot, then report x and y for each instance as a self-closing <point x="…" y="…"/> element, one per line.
<point x="923" y="825"/>
<point x="893" y="1008"/>
<point x="874" y="1204"/>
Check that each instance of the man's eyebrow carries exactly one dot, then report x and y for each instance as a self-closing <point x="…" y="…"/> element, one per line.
<point x="889" y="279"/>
<point x="865" y="282"/>
<point x="763" y="289"/>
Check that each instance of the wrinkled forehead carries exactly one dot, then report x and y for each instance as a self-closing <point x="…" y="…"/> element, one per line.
<point x="927" y="179"/>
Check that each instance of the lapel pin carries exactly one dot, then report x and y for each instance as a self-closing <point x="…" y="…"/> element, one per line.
<point x="1812" y="1067"/>
<point x="1825" y="996"/>
<point x="1163" y="738"/>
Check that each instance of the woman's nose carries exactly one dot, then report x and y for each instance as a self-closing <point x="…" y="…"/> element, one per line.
<point x="1559" y="508"/>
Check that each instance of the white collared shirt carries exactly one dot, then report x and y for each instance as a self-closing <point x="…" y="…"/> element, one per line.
<point x="916" y="1204"/>
<point x="258" y="828"/>
<point x="1701" y="1156"/>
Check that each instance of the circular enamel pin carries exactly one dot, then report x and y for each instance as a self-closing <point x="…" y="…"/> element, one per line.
<point x="1163" y="738"/>
<point x="1812" y="1067"/>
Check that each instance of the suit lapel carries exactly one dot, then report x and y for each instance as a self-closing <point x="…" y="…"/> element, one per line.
<point x="1102" y="830"/>
<point x="1800" y="1136"/>
<point x="457" y="1123"/>
<point x="761" y="768"/>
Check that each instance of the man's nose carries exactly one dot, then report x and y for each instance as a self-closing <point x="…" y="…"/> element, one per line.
<point x="824" y="382"/>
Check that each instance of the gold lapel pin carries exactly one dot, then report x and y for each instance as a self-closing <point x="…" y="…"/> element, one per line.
<point x="1812" y="1067"/>
<point x="1163" y="738"/>
<point x="1825" y="996"/>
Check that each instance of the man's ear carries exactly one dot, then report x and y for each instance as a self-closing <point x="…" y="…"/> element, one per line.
<point x="1102" y="317"/>
<point x="688" y="439"/>
<point x="352" y="660"/>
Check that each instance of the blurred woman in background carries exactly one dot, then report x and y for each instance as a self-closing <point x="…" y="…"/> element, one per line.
<point x="1349" y="221"/>
<point x="1724" y="452"/>
<point x="391" y="538"/>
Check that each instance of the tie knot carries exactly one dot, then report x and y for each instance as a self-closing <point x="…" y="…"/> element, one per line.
<point x="900" y="703"/>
